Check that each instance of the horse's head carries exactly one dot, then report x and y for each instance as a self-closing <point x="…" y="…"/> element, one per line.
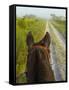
<point x="41" y="46"/>
<point x="38" y="64"/>
<point x="45" y="42"/>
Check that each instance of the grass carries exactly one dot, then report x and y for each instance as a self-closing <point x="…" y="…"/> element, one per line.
<point x="61" y="26"/>
<point x="23" y="26"/>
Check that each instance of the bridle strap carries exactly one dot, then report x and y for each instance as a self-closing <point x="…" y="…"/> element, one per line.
<point x="40" y="46"/>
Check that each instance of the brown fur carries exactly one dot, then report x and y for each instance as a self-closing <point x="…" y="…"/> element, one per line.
<point x="38" y="61"/>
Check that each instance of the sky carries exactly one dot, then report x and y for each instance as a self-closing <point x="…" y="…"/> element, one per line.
<point x="39" y="12"/>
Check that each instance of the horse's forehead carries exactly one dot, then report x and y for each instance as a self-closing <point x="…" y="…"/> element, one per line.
<point x="41" y="47"/>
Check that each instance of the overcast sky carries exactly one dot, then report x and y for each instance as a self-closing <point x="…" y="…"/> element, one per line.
<point x="40" y="12"/>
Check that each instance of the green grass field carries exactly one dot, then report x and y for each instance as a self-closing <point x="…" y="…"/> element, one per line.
<point x="23" y="26"/>
<point x="60" y="25"/>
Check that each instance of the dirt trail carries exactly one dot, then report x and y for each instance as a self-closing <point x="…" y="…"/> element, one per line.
<point x="54" y="65"/>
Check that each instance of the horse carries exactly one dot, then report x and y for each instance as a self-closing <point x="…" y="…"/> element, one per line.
<point x="38" y="65"/>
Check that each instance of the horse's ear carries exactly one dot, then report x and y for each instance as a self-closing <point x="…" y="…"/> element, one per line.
<point x="29" y="39"/>
<point x="46" y="40"/>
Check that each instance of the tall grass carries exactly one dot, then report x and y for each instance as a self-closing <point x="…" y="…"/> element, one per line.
<point x="23" y="26"/>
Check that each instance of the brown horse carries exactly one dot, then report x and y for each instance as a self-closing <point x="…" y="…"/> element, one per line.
<point x="38" y="60"/>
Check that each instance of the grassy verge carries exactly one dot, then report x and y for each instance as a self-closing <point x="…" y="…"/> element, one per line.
<point x="60" y="25"/>
<point x="23" y="26"/>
